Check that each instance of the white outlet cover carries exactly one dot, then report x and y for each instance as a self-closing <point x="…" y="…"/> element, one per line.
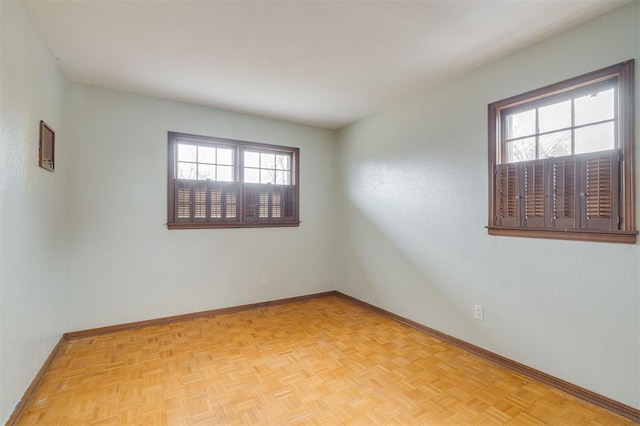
<point x="478" y="312"/>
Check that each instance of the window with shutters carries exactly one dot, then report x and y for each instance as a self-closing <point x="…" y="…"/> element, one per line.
<point x="561" y="160"/>
<point x="222" y="183"/>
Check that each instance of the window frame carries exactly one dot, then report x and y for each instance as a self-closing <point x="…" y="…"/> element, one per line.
<point x="623" y="76"/>
<point x="240" y="221"/>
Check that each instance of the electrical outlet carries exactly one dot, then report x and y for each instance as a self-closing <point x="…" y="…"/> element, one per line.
<point x="265" y="278"/>
<point x="478" y="312"/>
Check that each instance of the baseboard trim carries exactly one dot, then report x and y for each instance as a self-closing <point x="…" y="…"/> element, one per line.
<point x="195" y="315"/>
<point x="577" y="391"/>
<point x="562" y="385"/>
<point x="35" y="383"/>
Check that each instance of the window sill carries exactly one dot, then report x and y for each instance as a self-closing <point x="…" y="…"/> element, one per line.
<point x="623" y="237"/>
<point x="227" y="225"/>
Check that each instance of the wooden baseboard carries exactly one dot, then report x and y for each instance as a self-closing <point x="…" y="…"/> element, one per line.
<point x="186" y="317"/>
<point x="577" y="391"/>
<point x="31" y="390"/>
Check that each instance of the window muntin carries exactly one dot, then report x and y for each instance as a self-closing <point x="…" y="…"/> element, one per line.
<point x="220" y="183"/>
<point x="561" y="160"/>
<point x="576" y="122"/>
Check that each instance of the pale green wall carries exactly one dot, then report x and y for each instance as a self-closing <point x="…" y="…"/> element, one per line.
<point x="33" y="280"/>
<point x="415" y="189"/>
<point x="124" y="263"/>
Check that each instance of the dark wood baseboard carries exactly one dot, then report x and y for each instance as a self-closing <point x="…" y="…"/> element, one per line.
<point x="577" y="391"/>
<point x="186" y="317"/>
<point x="31" y="390"/>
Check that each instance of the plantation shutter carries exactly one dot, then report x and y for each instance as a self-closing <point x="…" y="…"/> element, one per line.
<point x="534" y="194"/>
<point x="183" y="195"/>
<point x="250" y="203"/>
<point x="282" y="199"/>
<point x="276" y="204"/>
<point x="223" y="201"/>
<point x="200" y="202"/>
<point x="563" y="197"/>
<point x="269" y="203"/>
<point x="263" y="204"/>
<point x="215" y="202"/>
<point x="205" y="202"/>
<point x="507" y="195"/>
<point x="570" y="193"/>
<point x="288" y="203"/>
<point x="230" y="202"/>
<point x="599" y="190"/>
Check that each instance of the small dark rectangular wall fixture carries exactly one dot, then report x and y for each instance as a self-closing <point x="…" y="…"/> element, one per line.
<point x="47" y="147"/>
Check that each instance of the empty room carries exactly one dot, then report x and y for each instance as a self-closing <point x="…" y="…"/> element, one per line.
<point x="319" y="212"/>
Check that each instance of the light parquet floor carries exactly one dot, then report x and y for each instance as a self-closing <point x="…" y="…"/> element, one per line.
<point x="324" y="361"/>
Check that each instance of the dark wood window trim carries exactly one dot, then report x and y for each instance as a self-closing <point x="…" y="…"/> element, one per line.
<point x="212" y="204"/>
<point x="523" y="196"/>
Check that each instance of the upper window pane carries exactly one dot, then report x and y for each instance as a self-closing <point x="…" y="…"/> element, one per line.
<point x="187" y="152"/>
<point x="554" y="117"/>
<point x="267" y="168"/>
<point x="187" y="170"/>
<point x="206" y="154"/>
<point x="267" y="161"/>
<point x="282" y="162"/>
<point x="206" y="172"/>
<point x="595" y="107"/>
<point x="555" y="144"/>
<point x="251" y="159"/>
<point x="599" y="137"/>
<point x="225" y="156"/>
<point x="521" y="124"/>
<point x="283" y="177"/>
<point x="252" y="175"/>
<point x="267" y="176"/>
<point x="205" y="161"/>
<point x="521" y="150"/>
<point x="579" y="121"/>
<point x="224" y="173"/>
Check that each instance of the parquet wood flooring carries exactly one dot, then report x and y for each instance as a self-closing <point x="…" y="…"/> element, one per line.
<point x="324" y="361"/>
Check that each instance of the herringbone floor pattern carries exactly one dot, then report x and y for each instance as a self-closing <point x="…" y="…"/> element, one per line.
<point x="323" y="361"/>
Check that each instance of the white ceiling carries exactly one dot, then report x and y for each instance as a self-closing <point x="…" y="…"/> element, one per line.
<point x="324" y="63"/>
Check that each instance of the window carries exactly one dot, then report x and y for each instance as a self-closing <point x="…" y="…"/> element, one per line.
<point x="221" y="183"/>
<point x="561" y="160"/>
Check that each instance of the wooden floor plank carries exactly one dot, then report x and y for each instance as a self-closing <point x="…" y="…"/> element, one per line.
<point x="317" y="362"/>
